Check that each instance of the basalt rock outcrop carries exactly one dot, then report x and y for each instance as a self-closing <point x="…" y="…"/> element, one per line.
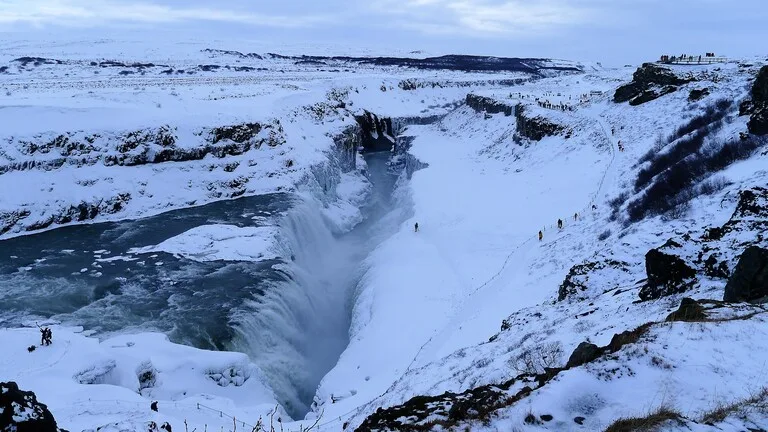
<point x="83" y="211"/>
<point x="535" y="127"/>
<point x="529" y="126"/>
<point x="488" y="105"/>
<point x="698" y="94"/>
<point x="749" y="281"/>
<point x="20" y="411"/>
<point x="758" y="108"/>
<point x="716" y="254"/>
<point x="667" y="273"/>
<point x="577" y="285"/>
<point x="650" y="81"/>
<point x="377" y="132"/>
<point x="138" y="147"/>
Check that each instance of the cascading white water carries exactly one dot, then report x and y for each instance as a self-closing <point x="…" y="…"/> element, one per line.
<point x="297" y="328"/>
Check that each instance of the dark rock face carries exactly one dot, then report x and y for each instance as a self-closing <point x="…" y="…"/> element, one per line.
<point x="584" y="353"/>
<point x="576" y="283"/>
<point x="649" y="95"/>
<point x="667" y="274"/>
<point x="535" y="128"/>
<point x="21" y="412"/>
<point x="716" y="269"/>
<point x="36" y="61"/>
<point x="649" y="82"/>
<point x="689" y="310"/>
<point x="488" y="105"/>
<point x="758" y="122"/>
<point x="377" y="132"/>
<point x="347" y="143"/>
<point x="698" y="94"/>
<point x="749" y="281"/>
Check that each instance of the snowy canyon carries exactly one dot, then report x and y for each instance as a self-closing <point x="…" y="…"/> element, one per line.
<point x="231" y="234"/>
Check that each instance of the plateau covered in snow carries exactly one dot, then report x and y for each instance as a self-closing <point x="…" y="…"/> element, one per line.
<point x="232" y="234"/>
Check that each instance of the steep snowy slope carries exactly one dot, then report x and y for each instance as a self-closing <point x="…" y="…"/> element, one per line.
<point x="476" y="258"/>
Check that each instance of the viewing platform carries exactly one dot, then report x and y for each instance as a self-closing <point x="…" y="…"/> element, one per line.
<point x="706" y="59"/>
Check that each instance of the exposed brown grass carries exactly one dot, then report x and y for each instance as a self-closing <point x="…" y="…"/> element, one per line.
<point x="649" y="423"/>
<point x="722" y="411"/>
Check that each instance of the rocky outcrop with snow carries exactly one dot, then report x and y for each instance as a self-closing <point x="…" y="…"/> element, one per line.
<point x="649" y="82"/>
<point x="21" y="411"/>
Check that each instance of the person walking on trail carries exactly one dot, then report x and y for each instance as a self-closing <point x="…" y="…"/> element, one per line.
<point x="575" y="216"/>
<point x="541" y="235"/>
<point x="560" y="223"/>
<point x="416" y="227"/>
<point x="43" y="335"/>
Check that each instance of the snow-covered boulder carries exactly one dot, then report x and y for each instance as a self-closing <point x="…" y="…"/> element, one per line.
<point x="667" y="273"/>
<point x="98" y="373"/>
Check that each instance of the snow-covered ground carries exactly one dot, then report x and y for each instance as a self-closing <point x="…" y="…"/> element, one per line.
<point x="428" y="305"/>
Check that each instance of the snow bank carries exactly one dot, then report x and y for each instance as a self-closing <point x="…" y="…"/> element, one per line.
<point x="88" y="383"/>
<point x="220" y="243"/>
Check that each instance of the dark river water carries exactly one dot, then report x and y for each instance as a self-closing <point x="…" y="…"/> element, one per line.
<point x="71" y="274"/>
<point x="290" y="315"/>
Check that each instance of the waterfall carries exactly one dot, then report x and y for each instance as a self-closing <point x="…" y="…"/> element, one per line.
<point x="298" y="326"/>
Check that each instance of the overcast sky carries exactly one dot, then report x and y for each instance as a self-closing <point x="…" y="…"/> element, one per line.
<point x="612" y="31"/>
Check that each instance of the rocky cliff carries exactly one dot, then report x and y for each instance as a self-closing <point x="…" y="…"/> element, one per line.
<point x="649" y="82"/>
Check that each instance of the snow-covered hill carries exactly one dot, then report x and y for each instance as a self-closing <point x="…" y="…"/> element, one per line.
<point x="489" y="316"/>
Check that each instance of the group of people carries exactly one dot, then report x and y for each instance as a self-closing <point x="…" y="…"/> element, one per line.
<point x="549" y="105"/>
<point x="560" y="222"/>
<point x="166" y="427"/>
<point x="46" y="336"/>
